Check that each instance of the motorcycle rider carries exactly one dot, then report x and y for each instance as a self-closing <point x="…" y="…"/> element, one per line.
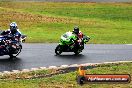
<point x="79" y="35"/>
<point x="13" y="36"/>
<point x="13" y="31"/>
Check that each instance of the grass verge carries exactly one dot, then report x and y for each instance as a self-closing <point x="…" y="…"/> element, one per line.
<point x="106" y="23"/>
<point x="68" y="80"/>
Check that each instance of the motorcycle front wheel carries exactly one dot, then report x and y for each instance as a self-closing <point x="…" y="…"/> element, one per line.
<point x="19" y="48"/>
<point x="58" y="50"/>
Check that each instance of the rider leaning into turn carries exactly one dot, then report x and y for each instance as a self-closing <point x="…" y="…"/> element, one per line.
<point x="78" y="33"/>
<point x="14" y="31"/>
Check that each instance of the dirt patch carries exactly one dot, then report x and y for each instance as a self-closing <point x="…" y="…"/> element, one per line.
<point x="29" y="19"/>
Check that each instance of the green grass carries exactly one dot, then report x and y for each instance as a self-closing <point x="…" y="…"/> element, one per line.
<point x="109" y="23"/>
<point x="69" y="80"/>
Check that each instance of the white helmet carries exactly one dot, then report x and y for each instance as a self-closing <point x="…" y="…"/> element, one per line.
<point x="13" y="27"/>
<point x="13" y="24"/>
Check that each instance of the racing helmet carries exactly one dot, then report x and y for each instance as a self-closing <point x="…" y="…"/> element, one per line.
<point x="13" y="27"/>
<point x="76" y="30"/>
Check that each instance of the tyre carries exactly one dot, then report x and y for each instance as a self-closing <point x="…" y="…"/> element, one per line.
<point x="17" y="52"/>
<point x="77" y="51"/>
<point x="12" y="57"/>
<point x="58" y="50"/>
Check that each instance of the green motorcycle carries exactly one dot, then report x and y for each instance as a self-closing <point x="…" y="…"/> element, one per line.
<point x="69" y="43"/>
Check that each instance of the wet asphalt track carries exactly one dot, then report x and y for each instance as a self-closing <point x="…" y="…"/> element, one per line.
<point x="40" y="55"/>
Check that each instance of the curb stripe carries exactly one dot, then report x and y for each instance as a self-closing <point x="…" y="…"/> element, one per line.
<point x="59" y="67"/>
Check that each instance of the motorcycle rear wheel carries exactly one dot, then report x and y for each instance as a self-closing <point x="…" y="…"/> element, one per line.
<point x="76" y="52"/>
